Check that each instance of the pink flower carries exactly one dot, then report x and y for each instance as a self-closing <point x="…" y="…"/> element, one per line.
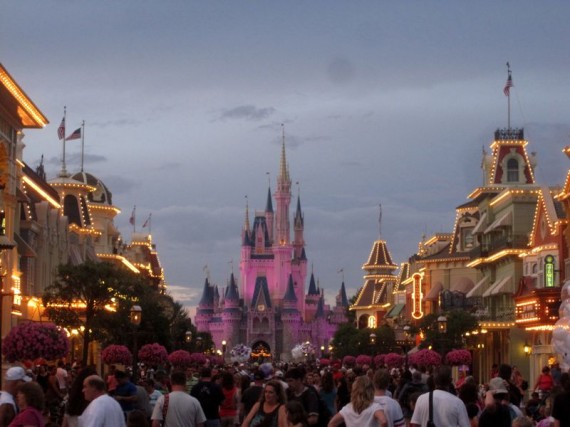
<point x="153" y="354"/>
<point x="180" y="359"/>
<point x="458" y="357"/>
<point x="379" y="360"/>
<point x="116" y="354"/>
<point x="393" y="360"/>
<point x="426" y="357"/>
<point x="199" y="358"/>
<point x="31" y="340"/>
<point x="363" y="359"/>
<point x="324" y="362"/>
<point x="348" y="360"/>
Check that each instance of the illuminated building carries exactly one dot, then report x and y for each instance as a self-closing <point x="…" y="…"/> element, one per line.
<point x="271" y="311"/>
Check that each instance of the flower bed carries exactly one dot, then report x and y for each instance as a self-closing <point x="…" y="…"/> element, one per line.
<point x="425" y="358"/>
<point x="394" y="360"/>
<point x="363" y="359"/>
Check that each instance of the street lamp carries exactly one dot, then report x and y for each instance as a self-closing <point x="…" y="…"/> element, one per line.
<point x="224" y="345"/>
<point x="527" y="350"/>
<point x="442" y="324"/>
<point x="135" y="318"/>
<point x="188" y="337"/>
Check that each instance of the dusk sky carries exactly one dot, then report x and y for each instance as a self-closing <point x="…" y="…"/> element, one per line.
<point x="383" y="102"/>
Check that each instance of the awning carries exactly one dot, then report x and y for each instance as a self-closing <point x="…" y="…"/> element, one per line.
<point x="501" y="221"/>
<point x="501" y="286"/>
<point x="463" y="285"/>
<point x="479" y="225"/>
<point x="496" y="287"/>
<point x="477" y="289"/>
<point x="433" y="293"/>
<point x="24" y="249"/>
<point x="395" y="310"/>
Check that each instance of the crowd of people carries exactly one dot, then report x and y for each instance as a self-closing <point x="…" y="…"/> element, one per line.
<point x="281" y="395"/>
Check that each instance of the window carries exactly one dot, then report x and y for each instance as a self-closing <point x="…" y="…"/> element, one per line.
<point x="512" y="170"/>
<point x="372" y="322"/>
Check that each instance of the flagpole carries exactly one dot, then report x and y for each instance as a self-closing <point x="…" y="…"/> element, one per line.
<point x="509" y="100"/>
<point x="82" y="143"/>
<point x="63" y="170"/>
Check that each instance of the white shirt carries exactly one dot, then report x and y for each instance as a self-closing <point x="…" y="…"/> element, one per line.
<point x="448" y="410"/>
<point x="183" y="410"/>
<point x="103" y="411"/>
<point x="392" y="410"/>
<point x="364" y="419"/>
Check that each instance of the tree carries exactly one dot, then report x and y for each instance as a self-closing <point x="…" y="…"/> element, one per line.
<point x="84" y="297"/>
<point x="458" y="323"/>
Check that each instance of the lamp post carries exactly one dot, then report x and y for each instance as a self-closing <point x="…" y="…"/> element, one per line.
<point x="224" y="346"/>
<point x="406" y="341"/>
<point x="372" y="338"/>
<point x="188" y="338"/>
<point x="442" y="329"/>
<point x="135" y="318"/>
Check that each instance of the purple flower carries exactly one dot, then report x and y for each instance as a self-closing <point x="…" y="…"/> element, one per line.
<point x="180" y="359"/>
<point x="116" y="354"/>
<point x="153" y="354"/>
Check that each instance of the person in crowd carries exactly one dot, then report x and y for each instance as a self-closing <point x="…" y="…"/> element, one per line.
<point x="497" y="412"/>
<point x="296" y="415"/>
<point x="103" y="410"/>
<point x="62" y="377"/>
<point x="392" y="409"/>
<point x="515" y="394"/>
<point x="229" y="407"/>
<point x="522" y="421"/>
<point x="448" y="410"/>
<point x="42" y="377"/>
<point x="178" y="408"/>
<point x="308" y="396"/>
<point x="404" y="378"/>
<point x="137" y="418"/>
<point x="13" y="378"/>
<point x="342" y="393"/>
<point x="210" y="396"/>
<point x="53" y="396"/>
<point x="555" y="372"/>
<point x="76" y="402"/>
<point x="126" y="392"/>
<point x="111" y="380"/>
<point x="153" y="393"/>
<point x="544" y="382"/>
<point x="469" y="393"/>
<point x="561" y="403"/>
<point x="31" y="402"/>
<point x="415" y="385"/>
<point x="473" y="413"/>
<point x="327" y="391"/>
<point x="142" y="402"/>
<point x="270" y="410"/>
<point x="362" y="411"/>
<point x="252" y="394"/>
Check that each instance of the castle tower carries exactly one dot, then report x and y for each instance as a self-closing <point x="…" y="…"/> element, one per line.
<point x="205" y="309"/>
<point x="291" y="319"/>
<point x="231" y="314"/>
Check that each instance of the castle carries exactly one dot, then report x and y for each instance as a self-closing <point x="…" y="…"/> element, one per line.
<point x="271" y="312"/>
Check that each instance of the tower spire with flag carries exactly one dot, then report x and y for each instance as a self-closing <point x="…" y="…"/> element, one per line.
<point x="507" y="92"/>
<point x="147" y="223"/>
<point x="133" y="218"/>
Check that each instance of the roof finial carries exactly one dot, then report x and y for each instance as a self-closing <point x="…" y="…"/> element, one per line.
<point x="284" y="173"/>
<point x="380" y="220"/>
<point x="246" y="225"/>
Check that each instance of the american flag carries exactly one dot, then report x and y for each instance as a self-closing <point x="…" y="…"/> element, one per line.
<point x="75" y="135"/>
<point x="508" y="86"/>
<point x="132" y="218"/>
<point x="61" y="129"/>
<point x="147" y="222"/>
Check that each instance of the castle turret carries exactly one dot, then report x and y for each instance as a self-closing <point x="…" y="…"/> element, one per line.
<point x="299" y="226"/>
<point x="291" y="319"/>
<point x="231" y="314"/>
<point x="205" y="309"/>
<point x="269" y="215"/>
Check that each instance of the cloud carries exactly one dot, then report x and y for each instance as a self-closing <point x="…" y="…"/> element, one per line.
<point x="247" y="112"/>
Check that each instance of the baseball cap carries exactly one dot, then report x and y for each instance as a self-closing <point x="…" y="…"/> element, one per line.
<point x="497" y="386"/>
<point x="17" y="374"/>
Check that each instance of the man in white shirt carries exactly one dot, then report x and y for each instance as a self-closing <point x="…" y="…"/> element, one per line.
<point x="178" y="408"/>
<point x="103" y="410"/>
<point x="391" y="407"/>
<point x="448" y="410"/>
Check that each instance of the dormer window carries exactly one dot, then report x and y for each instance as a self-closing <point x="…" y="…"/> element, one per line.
<point x="512" y="170"/>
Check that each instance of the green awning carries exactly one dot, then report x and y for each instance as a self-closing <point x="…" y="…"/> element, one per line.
<point x="396" y="310"/>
